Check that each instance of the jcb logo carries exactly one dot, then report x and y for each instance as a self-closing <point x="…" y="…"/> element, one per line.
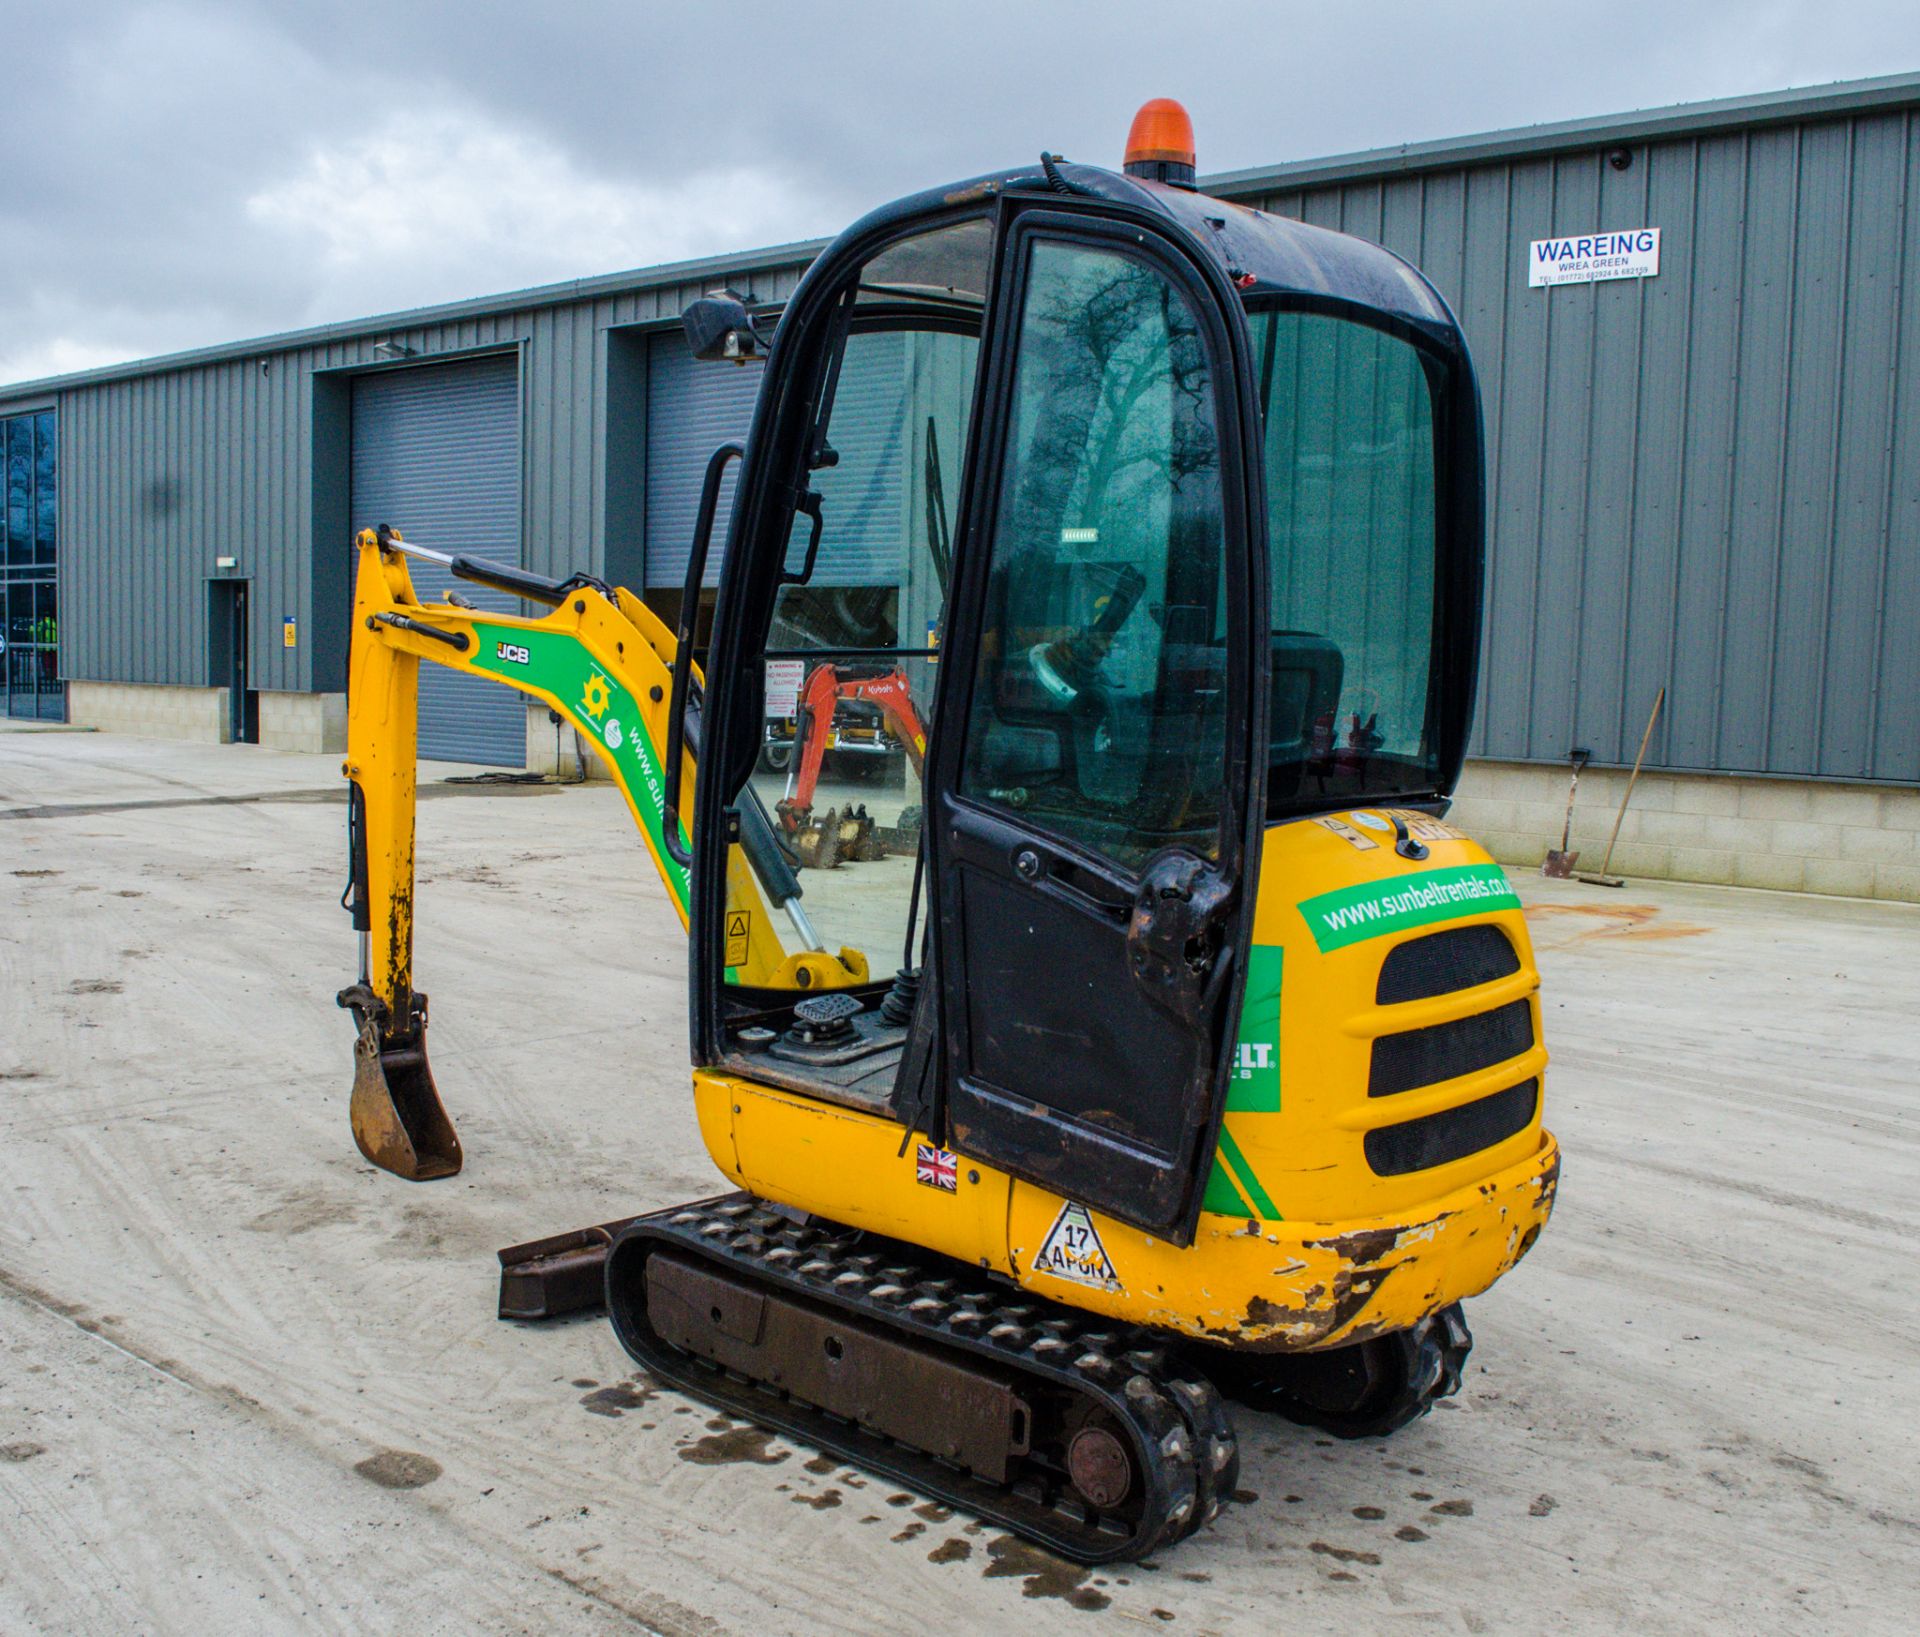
<point x="510" y="651"/>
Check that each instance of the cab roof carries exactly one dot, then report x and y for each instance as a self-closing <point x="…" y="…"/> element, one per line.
<point x="1257" y="251"/>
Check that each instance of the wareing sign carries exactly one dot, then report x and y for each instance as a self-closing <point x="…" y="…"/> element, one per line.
<point x="1586" y="258"/>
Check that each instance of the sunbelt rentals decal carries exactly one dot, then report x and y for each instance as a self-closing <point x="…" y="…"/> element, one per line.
<point x="1371" y="910"/>
<point x="559" y="668"/>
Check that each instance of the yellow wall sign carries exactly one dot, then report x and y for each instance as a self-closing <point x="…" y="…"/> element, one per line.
<point x="290" y="632"/>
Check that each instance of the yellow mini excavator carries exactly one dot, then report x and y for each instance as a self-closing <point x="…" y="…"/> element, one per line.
<point x="1212" y="1064"/>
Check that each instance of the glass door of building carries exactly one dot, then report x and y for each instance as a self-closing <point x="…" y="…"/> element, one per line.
<point x="29" y="610"/>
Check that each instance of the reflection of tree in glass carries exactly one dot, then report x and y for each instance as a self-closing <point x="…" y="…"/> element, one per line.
<point x="1115" y="405"/>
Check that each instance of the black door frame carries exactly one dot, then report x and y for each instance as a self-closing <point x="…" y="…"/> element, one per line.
<point x="1079" y="1161"/>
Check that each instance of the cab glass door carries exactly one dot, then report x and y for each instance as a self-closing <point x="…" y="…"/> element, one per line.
<point x="1091" y="824"/>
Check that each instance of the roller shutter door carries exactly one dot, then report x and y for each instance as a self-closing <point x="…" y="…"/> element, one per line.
<point x="693" y="407"/>
<point x="436" y="453"/>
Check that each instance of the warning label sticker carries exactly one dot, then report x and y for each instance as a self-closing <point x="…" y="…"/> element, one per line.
<point x="1347" y="833"/>
<point x="1072" y="1250"/>
<point x="738" y="923"/>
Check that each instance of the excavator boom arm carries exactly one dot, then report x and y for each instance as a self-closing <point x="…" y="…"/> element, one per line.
<point x="604" y="662"/>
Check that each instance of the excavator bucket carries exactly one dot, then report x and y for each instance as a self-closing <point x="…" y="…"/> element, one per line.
<point x="858" y="844"/>
<point x="815" y="843"/>
<point x="399" y="1122"/>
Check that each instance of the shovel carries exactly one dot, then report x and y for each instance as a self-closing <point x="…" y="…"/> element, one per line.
<point x="1601" y="878"/>
<point x="1559" y="861"/>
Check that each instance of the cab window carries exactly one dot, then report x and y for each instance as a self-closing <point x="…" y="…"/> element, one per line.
<point x="1099" y="700"/>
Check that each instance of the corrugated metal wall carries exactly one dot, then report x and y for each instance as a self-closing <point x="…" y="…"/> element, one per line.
<point x="162" y="473"/>
<point x="1708" y="479"/>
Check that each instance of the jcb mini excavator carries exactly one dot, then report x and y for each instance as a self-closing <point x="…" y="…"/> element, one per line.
<point x="1213" y="1065"/>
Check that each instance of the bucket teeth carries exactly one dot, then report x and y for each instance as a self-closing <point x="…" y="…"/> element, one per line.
<point x="858" y="842"/>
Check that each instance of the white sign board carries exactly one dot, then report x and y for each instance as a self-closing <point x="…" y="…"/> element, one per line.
<point x="1587" y="258"/>
<point x="784" y="677"/>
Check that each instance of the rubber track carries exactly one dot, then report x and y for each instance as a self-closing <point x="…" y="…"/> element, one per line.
<point x="1429" y="1360"/>
<point x="1175" y="1418"/>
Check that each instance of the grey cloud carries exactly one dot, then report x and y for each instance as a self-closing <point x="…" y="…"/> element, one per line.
<point x="129" y="155"/>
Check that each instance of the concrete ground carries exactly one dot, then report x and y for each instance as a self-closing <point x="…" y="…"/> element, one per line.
<point x="249" y="1384"/>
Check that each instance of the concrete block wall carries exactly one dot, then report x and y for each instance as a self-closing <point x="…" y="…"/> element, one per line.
<point x="304" y="721"/>
<point x="1857" y="841"/>
<point x="150" y="711"/>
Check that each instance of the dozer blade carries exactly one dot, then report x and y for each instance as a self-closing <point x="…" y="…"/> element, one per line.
<point x="563" y="1273"/>
<point x="398" y="1120"/>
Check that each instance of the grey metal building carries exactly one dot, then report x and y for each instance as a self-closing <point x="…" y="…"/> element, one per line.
<point x="1705" y="478"/>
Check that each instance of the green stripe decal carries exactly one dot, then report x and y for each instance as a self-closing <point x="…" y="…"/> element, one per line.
<point x="560" y="667"/>
<point x="1243" y="1173"/>
<point x="1253" y="1083"/>
<point x="1222" y="1198"/>
<point x="1374" y="908"/>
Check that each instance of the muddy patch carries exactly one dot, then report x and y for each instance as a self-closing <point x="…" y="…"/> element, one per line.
<point x="301" y="1213"/>
<point x="616" y="1400"/>
<point x="822" y="1465"/>
<point x="1043" y="1574"/>
<point x="1452" y="1509"/>
<point x="825" y="1501"/>
<point x="35" y="875"/>
<point x="93" y="986"/>
<point x="740" y="1444"/>
<point x="1345" y="1554"/>
<point x="911" y="1532"/>
<point x="21" y="1451"/>
<point x="399" y="1469"/>
<point x="1407" y="1531"/>
<point x="933" y="1512"/>
<point x="951" y="1551"/>
<point x="1542" y="1505"/>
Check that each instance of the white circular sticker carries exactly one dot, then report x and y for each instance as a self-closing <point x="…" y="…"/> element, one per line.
<point x="1371" y="821"/>
<point x="613" y="733"/>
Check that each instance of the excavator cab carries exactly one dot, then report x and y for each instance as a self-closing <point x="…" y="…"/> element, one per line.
<point x="1214" y="482"/>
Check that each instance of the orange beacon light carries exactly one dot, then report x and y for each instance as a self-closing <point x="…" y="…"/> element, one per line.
<point x="1160" y="145"/>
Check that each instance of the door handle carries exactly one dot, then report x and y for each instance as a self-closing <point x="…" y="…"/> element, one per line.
<point x="1177" y="932"/>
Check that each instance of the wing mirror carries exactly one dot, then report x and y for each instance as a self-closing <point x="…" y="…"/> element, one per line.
<point x="719" y="328"/>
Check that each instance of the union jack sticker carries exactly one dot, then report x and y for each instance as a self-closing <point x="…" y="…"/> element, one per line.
<point x="935" y="1167"/>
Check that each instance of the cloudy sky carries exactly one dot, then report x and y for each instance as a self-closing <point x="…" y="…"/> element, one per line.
<point x="179" y="173"/>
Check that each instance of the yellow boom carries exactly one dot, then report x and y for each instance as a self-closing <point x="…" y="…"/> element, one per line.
<point x="604" y="661"/>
